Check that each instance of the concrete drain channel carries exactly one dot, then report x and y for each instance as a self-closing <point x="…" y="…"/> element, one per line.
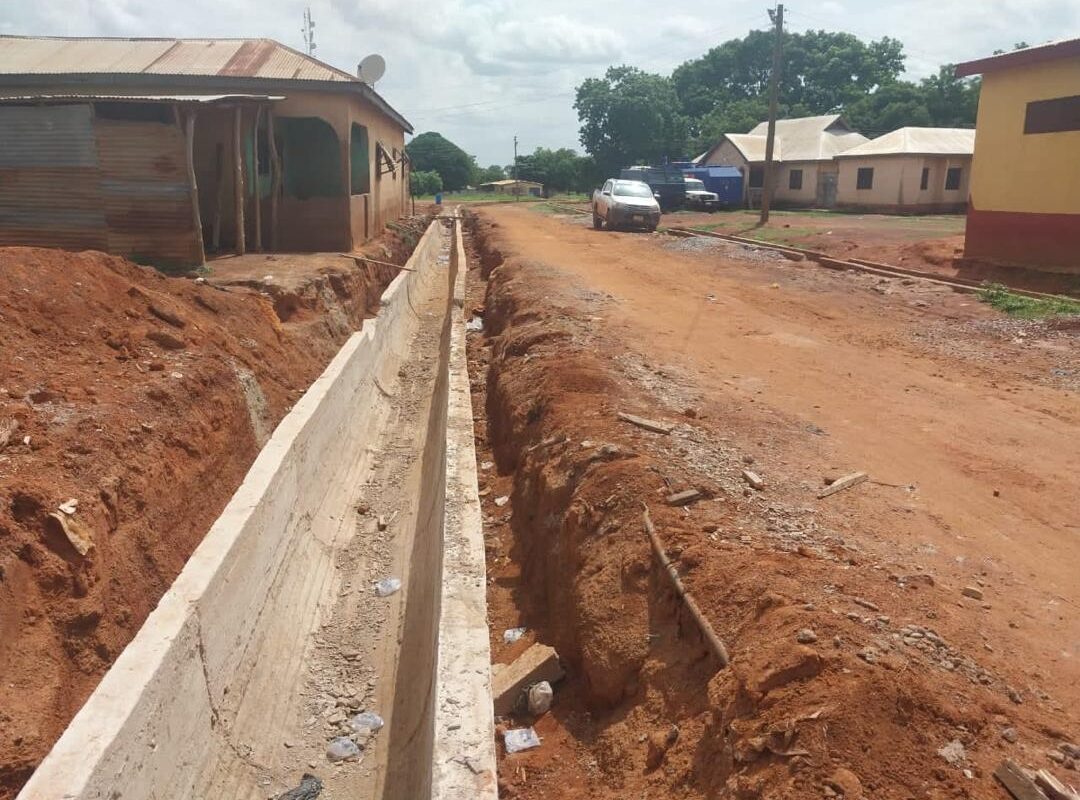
<point x="345" y="578"/>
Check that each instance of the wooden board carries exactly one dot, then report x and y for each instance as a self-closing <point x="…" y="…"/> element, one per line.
<point x="845" y="482"/>
<point x="1017" y="783"/>
<point x="647" y="424"/>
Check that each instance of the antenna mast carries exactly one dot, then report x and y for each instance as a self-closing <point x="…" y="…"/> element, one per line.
<point x="309" y="32"/>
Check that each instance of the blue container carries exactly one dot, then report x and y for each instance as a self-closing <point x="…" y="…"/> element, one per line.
<point x="438" y="198"/>
<point x="726" y="182"/>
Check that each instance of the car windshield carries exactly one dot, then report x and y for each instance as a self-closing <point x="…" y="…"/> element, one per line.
<point x="634" y="189"/>
<point x="694" y="185"/>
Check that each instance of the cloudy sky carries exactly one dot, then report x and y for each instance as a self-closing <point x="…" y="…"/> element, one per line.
<point x="482" y="71"/>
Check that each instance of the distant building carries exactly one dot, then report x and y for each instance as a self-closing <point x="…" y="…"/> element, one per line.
<point x="511" y="186"/>
<point x="910" y="170"/>
<point x="805" y="170"/>
<point x="165" y="150"/>
<point x="1025" y="180"/>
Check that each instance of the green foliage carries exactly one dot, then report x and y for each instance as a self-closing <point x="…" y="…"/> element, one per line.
<point x="425" y="182"/>
<point x="823" y="71"/>
<point x="560" y="170"/>
<point x="630" y="116"/>
<point x="489" y="174"/>
<point x="431" y="152"/>
<point x="1016" y="305"/>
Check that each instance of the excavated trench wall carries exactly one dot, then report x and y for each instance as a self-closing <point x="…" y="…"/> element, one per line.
<point x="154" y="726"/>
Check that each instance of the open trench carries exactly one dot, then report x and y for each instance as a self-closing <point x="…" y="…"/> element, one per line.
<point x="821" y="697"/>
<point x="319" y="595"/>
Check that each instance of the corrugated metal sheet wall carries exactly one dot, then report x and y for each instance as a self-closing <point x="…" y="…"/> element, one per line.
<point x="71" y="181"/>
<point x="144" y="188"/>
<point x="49" y="178"/>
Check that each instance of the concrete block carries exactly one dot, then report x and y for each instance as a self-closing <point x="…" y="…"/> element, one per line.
<point x="538" y="663"/>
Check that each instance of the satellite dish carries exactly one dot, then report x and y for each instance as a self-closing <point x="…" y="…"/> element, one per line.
<point x="371" y="69"/>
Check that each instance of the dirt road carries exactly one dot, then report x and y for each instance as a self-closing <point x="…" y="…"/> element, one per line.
<point x="967" y="422"/>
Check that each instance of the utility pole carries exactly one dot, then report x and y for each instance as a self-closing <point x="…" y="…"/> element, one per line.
<point x="777" y="16"/>
<point x="515" y="170"/>
<point x="309" y="32"/>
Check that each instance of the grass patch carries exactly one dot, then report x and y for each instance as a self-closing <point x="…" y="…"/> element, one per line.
<point x="1016" y="305"/>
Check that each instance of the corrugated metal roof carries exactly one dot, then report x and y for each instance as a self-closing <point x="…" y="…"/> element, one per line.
<point x="223" y="64"/>
<point x="135" y="98"/>
<point x="238" y="58"/>
<point x="811" y="138"/>
<point x="752" y="146"/>
<point x="1062" y="48"/>
<point x="918" y="141"/>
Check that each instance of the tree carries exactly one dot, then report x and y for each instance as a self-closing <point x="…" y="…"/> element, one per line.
<point x="432" y="152"/>
<point x="822" y="72"/>
<point x="630" y="116"/>
<point x="952" y="102"/>
<point x="725" y="90"/>
<point x="489" y="174"/>
<point x="560" y="170"/>
<point x="895" y="105"/>
<point x="425" y="183"/>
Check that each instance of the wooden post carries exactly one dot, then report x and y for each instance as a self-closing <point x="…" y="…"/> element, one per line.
<point x="238" y="181"/>
<point x="275" y="178"/>
<point x="189" y="139"/>
<point x="255" y="179"/>
<point x="774" y="89"/>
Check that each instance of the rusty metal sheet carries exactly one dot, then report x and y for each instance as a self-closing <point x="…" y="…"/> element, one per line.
<point x="145" y="191"/>
<point x="58" y="56"/>
<point x="55" y="136"/>
<point x="49" y="179"/>
<point x="239" y="58"/>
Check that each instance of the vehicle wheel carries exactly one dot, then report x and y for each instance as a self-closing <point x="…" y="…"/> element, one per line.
<point x="597" y="223"/>
<point x="652" y="228"/>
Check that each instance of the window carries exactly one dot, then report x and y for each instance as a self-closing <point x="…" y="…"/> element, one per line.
<point x="359" y="160"/>
<point x="865" y="178"/>
<point x="952" y="178"/>
<point x="924" y="184"/>
<point x="794" y="179"/>
<point x="1053" y="116"/>
<point x="757" y="177"/>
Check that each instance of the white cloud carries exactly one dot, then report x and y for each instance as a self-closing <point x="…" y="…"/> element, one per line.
<point x="481" y="71"/>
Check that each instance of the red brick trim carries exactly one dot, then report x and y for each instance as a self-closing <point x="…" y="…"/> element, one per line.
<point x="1041" y="241"/>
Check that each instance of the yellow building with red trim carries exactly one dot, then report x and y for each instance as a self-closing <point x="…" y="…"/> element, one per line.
<point x="1024" y="207"/>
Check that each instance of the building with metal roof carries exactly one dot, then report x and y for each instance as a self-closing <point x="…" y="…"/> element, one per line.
<point x="909" y="170"/>
<point x="1025" y="180"/>
<point x="513" y="186"/>
<point x="804" y="149"/>
<point x="169" y="150"/>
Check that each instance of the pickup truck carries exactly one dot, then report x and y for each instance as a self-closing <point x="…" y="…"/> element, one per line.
<point x="697" y="196"/>
<point x="625" y="203"/>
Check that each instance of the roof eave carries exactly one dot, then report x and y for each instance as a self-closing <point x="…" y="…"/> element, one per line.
<point x="210" y="82"/>
<point x="1019" y="58"/>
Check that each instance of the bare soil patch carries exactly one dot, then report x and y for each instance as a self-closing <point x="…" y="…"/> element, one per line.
<point x="145" y="399"/>
<point x="907" y="685"/>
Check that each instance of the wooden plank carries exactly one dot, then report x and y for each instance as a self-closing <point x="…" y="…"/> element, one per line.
<point x="684" y="498"/>
<point x="238" y="178"/>
<point x="275" y="178"/>
<point x="189" y="141"/>
<point x="647" y="424"/>
<point x="846" y="482"/>
<point x="255" y="180"/>
<point x="1017" y="783"/>
<point x="1054" y="788"/>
